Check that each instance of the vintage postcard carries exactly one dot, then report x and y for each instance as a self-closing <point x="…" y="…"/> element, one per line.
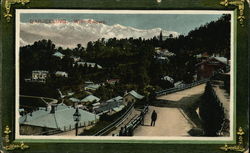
<point x="125" y="75"/>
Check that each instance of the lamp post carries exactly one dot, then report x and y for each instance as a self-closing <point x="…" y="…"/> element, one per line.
<point x="76" y="117"/>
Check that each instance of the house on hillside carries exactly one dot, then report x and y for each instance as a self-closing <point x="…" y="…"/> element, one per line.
<point x="90" y="85"/>
<point x="39" y="76"/>
<point x="89" y="64"/>
<point x="55" y="120"/>
<point x="96" y="105"/>
<point x="168" y="78"/>
<point x="163" y="54"/>
<point x="113" y="81"/>
<point x="209" y="66"/>
<point x="90" y="99"/>
<point x="179" y="84"/>
<point x="132" y="96"/>
<point x="58" y="55"/>
<point x="61" y="74"/>
<point x="75" y="101"/>
<point x="75" y="59"/>
<point x="111" y="106"/>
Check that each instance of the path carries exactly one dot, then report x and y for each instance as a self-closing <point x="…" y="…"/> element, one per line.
<point x="171" y="120"/>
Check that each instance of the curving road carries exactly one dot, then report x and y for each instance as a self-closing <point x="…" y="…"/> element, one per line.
<point x="171" y="120"/>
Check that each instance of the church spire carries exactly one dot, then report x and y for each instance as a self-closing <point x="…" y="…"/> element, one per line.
<point x="161" y="36"/>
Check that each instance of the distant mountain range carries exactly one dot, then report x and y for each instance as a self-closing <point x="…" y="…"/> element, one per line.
<point x="70" y="34"/>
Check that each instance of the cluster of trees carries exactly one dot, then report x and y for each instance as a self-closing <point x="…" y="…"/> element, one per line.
<point x="213" y="38"/>
<point x="131" y="60"/>
<point x="211" y="112"/>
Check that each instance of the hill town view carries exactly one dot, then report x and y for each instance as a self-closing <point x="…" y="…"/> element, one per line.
<point x="124" y="75"/>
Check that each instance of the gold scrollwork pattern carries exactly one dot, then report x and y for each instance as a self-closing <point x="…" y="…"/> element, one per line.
<point x="8" y="4"/>
<point x="240" y="144"/>
<point x="10" y="146"/>
<point x="240" y="4"/>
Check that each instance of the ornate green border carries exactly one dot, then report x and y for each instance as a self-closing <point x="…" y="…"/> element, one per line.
<point x="109" y="146"/>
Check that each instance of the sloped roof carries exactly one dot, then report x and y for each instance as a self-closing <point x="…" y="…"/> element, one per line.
<point x="96" y="104"/>
<point x="178" y="83"/>
<point x="135" y="94"/>
<point x="89" y="64"/>
<point x="221" y="59"/>
<point x="61" y="73"/>
<point x="93" y="86"/>
<point x="117" y="109"/>
<point x="74" y="99"/>
<point x="90" y="98"/>
<point x="58" y="54"/>
<point x="118" y="98"/>
<point x="168" y="78"/>
<point x="106" y="106"/>
<point x="62" y="118"/>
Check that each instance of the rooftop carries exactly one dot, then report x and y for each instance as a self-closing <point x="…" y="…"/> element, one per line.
<point x="89" y="64"/>
<point x="58" y="54"/>
<point x="61" y="119"/>
<point x="90" y="98"/>
<point x="135" y="94"/>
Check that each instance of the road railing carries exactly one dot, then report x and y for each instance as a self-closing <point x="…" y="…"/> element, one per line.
<point x="115" y="123"/>
<point x="129" y="128"/>
<point x="180" y="88"/>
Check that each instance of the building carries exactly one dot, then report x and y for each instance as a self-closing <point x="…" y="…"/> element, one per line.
<point x="39" y="76"/>
<point x="92" y="87"/>
<point x="88" y="64"/>
<point x="163" y="54"/>
<point x="90" y="99"/>
<point x="113" y="81"/>
<point x="179" y="84"/>
<point x="111" y="106"/>
<point x="96" y="105"/>
<point x="132" y="96"/>
<point x="209" y="66"/>
<point x="75" y="59"/>
<point x="168" y="78"/>
<point x="55" y="120"/>
<point x="61" y="74"/>
<point x="74" y="100"/>
<point x="118" y="98"/>
<point x="59" y="55"/>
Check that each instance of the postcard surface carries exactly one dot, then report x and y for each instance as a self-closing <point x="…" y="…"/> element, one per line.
<point x="138" y="75"/>
<point x="149" y="76"/>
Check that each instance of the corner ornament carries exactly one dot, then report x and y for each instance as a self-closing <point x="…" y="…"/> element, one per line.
<point x="240" y="5"/>
<point x="10" y="146"/>
<point x="8" y="4"/>
<point x="240" y="145"/>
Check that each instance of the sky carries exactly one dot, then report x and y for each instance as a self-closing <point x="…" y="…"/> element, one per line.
<point x="181" y="23"/>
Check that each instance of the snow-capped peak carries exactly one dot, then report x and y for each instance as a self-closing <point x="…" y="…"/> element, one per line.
<point x="69" y="34"/>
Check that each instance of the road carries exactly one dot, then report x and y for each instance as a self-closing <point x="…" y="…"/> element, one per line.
<point x="171" y="120"/>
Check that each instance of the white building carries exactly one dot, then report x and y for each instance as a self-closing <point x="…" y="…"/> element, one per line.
<point x="58" y="54"/>
<point x="61" y="74"/>
<point x="89" y="64"/>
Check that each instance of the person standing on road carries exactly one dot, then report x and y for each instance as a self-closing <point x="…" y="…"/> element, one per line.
<point x="153" y="118"/>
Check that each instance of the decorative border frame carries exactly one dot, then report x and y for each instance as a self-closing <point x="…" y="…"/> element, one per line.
<point x="159" y="140"/>
<point x="240" y="144"/>
<point x="8" y="4"/>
